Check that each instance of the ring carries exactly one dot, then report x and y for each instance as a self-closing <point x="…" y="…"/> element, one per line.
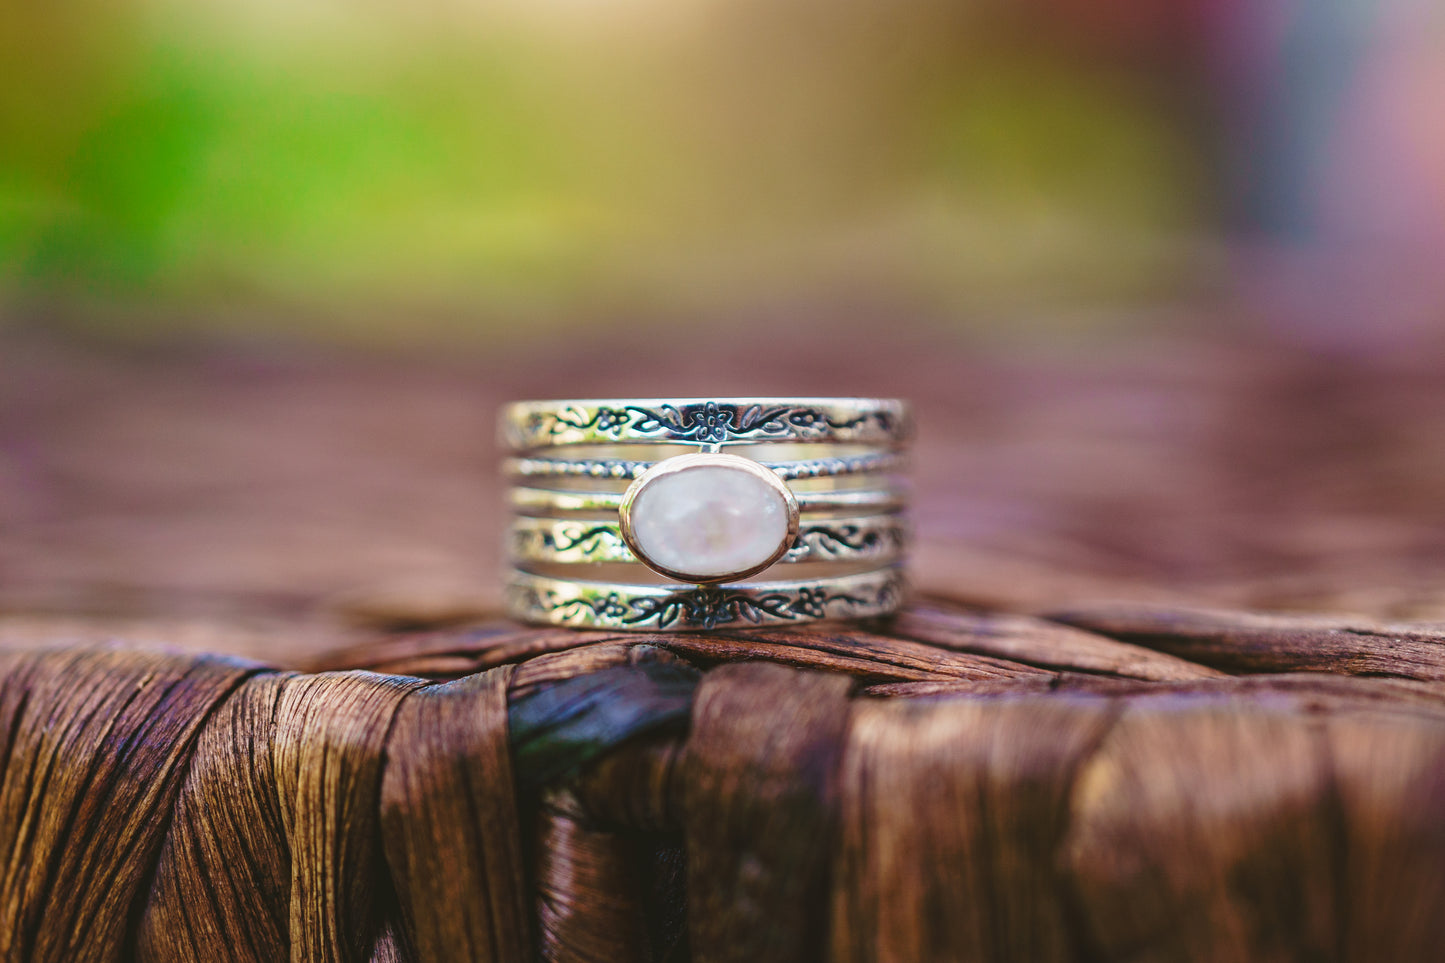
<point x="641" y="514"/>
<point x="878" y="538"/>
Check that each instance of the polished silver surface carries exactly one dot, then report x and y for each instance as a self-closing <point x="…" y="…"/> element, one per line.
<point x="578" y="468"/>
<point x="530" y="425"/>
<point x="547" y="501"/>
<point x="612" y="605"/>
<point x="873" y="538"/>
<point x="624" y="469"/>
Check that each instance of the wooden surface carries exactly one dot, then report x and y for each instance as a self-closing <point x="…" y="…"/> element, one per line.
<point x="1172" y="687"/>
<point x="223" y="490"/>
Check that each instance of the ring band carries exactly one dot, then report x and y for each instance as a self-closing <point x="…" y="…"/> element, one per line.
<point x="609" y="605"/>
<point x="646" y="514"/>
<point x="530" y="425"/>
<point x="623" y="469"/>
<point x="875" y="538"/>
<point x="549" y="501"/>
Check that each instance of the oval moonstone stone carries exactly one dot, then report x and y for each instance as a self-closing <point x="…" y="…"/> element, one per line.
<point x="708" y="521"/>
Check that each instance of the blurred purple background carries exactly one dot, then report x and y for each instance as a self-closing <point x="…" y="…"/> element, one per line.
<point x="452" y="173"/>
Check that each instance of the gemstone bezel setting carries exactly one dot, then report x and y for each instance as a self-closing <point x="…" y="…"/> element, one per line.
<point x="680" y="464"/>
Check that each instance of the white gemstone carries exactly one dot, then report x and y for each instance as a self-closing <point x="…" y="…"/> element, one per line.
<point x="708" y="521"/>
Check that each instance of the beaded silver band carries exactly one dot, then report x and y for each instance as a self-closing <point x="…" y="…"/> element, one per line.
<point x="625" y="470"/>
<point x="546" y="501"/>
<point x="812" y="485"/>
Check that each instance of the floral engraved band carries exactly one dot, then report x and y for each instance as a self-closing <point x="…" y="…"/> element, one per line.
<point x="529" y="425"/>
<point x="699" y="513"/>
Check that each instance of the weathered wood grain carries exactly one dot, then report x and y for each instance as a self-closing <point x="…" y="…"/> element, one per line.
<point x="1254" y="642"/>
<point x="96" y="743"/>
<point x="759" y="784"/>
<point x="867" y="654"/>
<point x="1039" y="642"/>
<point x="452" y="828"/>
<point x="1014" y="768"/>
<point x="275" y="849"/>
<point x="980" y="787"/>
<point x="1166" y="865"/>
<point x="952" y="812"/>
<point x="592" y="887"/>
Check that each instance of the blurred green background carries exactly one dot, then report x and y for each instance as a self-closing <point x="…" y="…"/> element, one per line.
<point x="384" y="170"/>
<point x="574" y="157"/>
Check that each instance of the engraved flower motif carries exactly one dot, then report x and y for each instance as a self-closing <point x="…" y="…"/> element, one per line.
<point x="805" y="417"/>
<point x="708" y="607"/>
<point x="713" y="423"/>
<point x="808" y="421"/>
<point x="611" y="606"/>
<point x="812" y="602"/>
<point x="609" y="418"/>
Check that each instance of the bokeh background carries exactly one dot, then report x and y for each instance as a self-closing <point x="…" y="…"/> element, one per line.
<point x="1166" y="277"/>
<point x="393" y="171"/>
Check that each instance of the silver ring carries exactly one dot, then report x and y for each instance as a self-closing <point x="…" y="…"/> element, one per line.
<point x="619" y="468"/>
<point x="546" y="501"/>
<point x="608" y="605"/>
<point x="529" y="425"/>
<point x="656" y="514"/>
<point x="872" y="538"/>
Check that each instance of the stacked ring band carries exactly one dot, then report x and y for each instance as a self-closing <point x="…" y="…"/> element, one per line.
<point x="696" y="513"/>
